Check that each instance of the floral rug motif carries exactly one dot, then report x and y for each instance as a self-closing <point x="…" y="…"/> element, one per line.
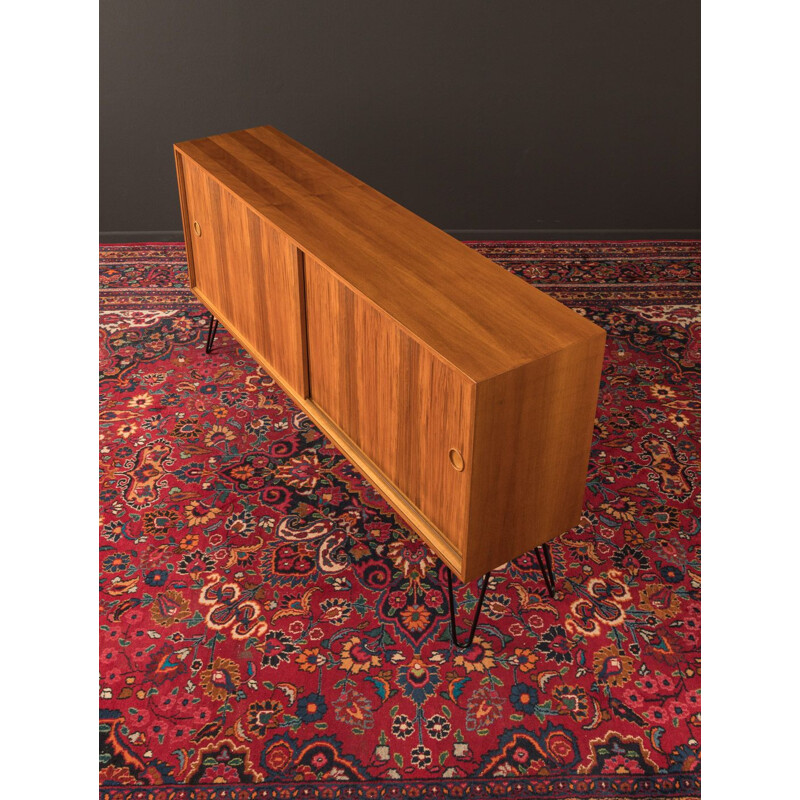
<point x="270" y="628"/>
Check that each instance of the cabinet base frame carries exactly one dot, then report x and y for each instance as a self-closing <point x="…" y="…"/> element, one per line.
<point x="453" y="631"/>
<point x="213" y="324"/>
<point x="546" y="565"/>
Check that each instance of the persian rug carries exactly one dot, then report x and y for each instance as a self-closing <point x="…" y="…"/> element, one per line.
<point x="270" y="628"/>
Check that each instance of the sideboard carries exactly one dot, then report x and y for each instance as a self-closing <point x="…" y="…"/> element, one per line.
<point x="465" y="395"/>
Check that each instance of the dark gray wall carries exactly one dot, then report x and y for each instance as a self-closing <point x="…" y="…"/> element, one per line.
<point x="525" y="115"/>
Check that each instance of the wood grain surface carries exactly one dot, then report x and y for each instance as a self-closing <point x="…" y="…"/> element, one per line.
<point x="472" y="312"/>
<point x="250" y="271"/>
<point x="533" y="432"/>
<point x="466" y="396"/>
<point x="400" y="404"/>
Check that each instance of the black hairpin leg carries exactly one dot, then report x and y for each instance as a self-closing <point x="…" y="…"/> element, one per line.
<point x="213" y="322"/>
<point x="453" y="632"/>
<point x="546" y="565"/>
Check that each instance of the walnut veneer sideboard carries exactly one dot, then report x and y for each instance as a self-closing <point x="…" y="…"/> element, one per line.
<point x="466" y="396"/>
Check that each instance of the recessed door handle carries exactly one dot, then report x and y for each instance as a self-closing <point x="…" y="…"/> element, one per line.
<point x="456" y="459"/>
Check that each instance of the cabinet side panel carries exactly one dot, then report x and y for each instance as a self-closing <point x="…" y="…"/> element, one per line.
<point x="187" y="234"/>
<point x="400" y="404"/>
<point x="533" y="433"/>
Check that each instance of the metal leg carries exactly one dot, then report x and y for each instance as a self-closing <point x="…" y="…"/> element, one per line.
<point x="212" y="332"/>
<point x="546" y="565"/>
<point x="453" y="632"/>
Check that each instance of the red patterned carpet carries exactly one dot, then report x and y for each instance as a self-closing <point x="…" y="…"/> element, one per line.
<point x="270" y="628"/>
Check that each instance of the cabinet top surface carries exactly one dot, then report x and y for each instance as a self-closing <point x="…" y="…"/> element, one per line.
<point x="472" y="312"/>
